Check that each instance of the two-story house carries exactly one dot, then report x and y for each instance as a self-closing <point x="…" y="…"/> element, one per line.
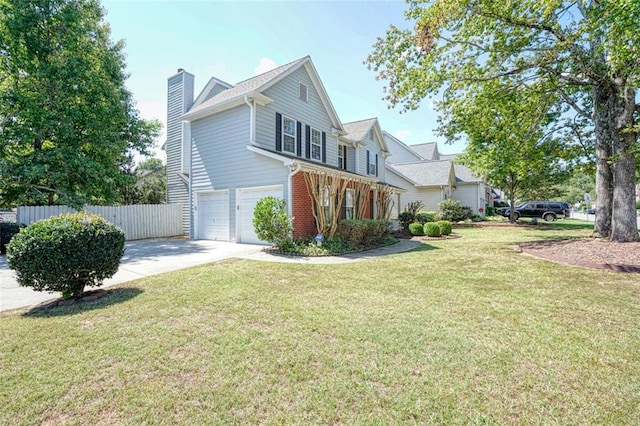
<point x="276" y="134"/>
<point x="430" y="177"/>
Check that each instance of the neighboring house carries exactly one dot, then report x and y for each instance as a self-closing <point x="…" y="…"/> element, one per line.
<point x="431" y="177"/>
<point x="145" y="176"/>
<point x="276" y="134"/>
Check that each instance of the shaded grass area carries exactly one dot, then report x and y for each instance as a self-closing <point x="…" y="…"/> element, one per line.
<point x="469" y="332"/>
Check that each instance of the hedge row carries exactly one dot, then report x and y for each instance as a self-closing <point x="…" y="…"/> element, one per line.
<point x="362" y="233"/>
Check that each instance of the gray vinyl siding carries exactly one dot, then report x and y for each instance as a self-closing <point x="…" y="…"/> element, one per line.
<point x="179" y="100"/>
<point x="221" y="159"/>
<point x="399" y="153"/>
<point x="285" y="95"/>
<point x="214" y="91"/>
<point x="468" y="195"/>
<point x="371" y="145"/>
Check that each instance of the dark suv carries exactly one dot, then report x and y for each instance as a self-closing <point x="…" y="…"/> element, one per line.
<point x="547" y="210"/>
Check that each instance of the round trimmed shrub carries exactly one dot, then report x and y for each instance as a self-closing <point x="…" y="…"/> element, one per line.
<point x="445" y="227"/>
<point x="416" y="229"/>
<point x="432" y="229"/>
<point x="66" y="253"/>
<point x="272" y="223"/>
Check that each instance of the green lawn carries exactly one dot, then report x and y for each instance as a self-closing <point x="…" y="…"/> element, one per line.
<point x="461" y="331"/>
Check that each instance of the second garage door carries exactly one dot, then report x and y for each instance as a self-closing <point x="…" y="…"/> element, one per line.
<point x="247" y="200"/>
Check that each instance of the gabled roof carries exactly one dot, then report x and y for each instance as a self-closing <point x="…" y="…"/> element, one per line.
<point x="451" y="157"/>
<point x="211" y="84"/>
<point x="356" y="131"/>
<point x="464" y="174"/>
<point x="392" y="140"/>
<point x="422" y="173"/>
<point x="428" y="151"/>
<point x="253" y="88"/>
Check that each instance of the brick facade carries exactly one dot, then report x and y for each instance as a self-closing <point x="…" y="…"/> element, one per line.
<point x="304" y="224"/>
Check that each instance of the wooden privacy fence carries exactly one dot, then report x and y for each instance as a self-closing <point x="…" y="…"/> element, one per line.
<point x="138" y="221"/>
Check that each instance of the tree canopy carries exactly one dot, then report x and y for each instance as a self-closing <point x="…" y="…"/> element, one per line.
<point x="509" y="141"/>
<point x="584" y="53"/>
<point x="67" y="122"/>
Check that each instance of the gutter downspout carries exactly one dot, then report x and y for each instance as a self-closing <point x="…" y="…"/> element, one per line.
<point x="192" y="234"/>
<point x="251" y="120"/>
<point x="294" y="168"/>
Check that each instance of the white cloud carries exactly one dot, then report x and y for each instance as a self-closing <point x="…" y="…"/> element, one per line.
<point x="266" y="64"/>
<point x="403" y="134"/>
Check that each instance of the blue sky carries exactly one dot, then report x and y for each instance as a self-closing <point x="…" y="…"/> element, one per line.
<point x="235" y="40"/>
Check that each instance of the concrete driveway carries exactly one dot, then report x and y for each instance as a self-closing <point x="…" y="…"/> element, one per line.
<point x="141" y="259"/>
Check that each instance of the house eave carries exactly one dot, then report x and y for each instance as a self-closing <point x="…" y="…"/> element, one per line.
<point x="258" y="97"/>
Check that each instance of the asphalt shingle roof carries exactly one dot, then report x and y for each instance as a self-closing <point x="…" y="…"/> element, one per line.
<point x="248" y="86"/>
<point x="426" y="173"/>
<point x="357" y="130"/>
<point x="464" y="174"/>
<point x="426" y="150"/>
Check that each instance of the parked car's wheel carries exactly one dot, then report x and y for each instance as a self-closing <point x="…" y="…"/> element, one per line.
<point x="549" y="217"/>
<point x="516" y="215"/>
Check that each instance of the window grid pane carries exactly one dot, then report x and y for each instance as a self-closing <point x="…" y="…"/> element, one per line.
<point x="288" y="135"/>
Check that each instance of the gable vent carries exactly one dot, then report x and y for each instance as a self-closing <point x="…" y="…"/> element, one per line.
<point x="303" y="92"/>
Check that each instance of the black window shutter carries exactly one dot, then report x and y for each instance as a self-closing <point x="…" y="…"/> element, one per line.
<point x="299" y="140"/>
<point x="324" y="147"/>
<point x="307" y="139"/>
<point x="344" y="157"/>
<point x="376" y="164"/>
<point x="278" y="131"/>
<point x="368" y="162"/>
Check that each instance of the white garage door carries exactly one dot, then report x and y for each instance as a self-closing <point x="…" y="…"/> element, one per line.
<point x="212" y="215"/>
<point x="247" y="200"/>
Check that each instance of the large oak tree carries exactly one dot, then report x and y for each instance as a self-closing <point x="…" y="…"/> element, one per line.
<point x="67" y="122"/>
<point x="588" y="51"/>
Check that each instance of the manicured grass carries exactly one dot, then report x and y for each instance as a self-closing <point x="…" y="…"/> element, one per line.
<point x="460" y="331"/>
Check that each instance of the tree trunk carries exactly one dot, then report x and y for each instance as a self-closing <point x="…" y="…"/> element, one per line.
<point x="615" y="163"/>
<point x="624" y="225"/>
<point x="602" y="100"/>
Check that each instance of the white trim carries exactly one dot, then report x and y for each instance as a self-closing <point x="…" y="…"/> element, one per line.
<point x="259" y="99"/>
<point x="319" y="144"/>
<point x="285" y="160"/>
<point x="295" y="133"/>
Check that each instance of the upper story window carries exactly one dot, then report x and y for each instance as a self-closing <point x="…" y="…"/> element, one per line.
<point x="303" y="92"/>
<point x="288" y="135"/>
<point x="372" y="163"/>
<point x="316" y="144"/>
<point x="342" y="157"/>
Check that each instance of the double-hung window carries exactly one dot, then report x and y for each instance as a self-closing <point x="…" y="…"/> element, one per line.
<point x="288" y="135"/>
<point x="348" y="204"/>
<point x="327" y="204"/>
<point x="372" y="163"/>
<point x="316" y="144"/>
<point x="342" y="157"/>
